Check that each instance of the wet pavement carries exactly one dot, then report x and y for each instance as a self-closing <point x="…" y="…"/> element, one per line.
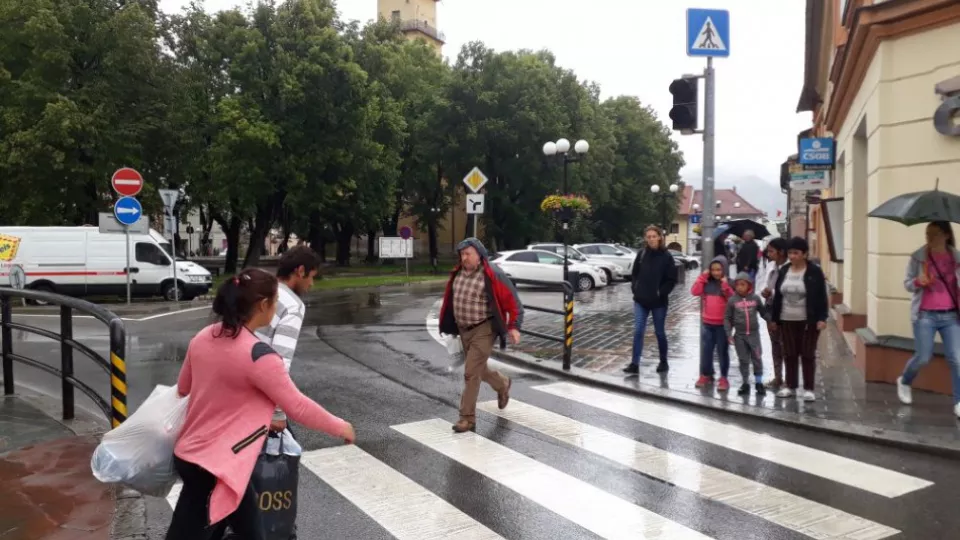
<point x="603" y="341"/>
<point x="47" y="489"/>
<point x="561" y="461"/>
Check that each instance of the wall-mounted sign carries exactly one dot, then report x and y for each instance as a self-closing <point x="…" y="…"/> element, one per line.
<point x="817" y="154"/>
<point x="944" y="116"/>
<point x="810" y="180"/>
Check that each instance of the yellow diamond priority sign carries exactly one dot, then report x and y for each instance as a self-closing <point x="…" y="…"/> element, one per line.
<point x="475" y="180"/>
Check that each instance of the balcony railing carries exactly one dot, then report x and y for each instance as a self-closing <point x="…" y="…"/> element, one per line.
<point x="423" y="27"/>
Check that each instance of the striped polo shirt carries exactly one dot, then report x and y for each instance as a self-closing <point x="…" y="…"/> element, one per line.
<point x="284" y="329"/>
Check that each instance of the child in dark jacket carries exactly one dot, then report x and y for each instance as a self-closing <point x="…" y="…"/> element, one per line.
<point x="714" y="291"/>
<point x="742" y="316"/>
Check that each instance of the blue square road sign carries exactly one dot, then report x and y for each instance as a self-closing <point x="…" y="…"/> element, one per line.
<point x="708" y="32"/>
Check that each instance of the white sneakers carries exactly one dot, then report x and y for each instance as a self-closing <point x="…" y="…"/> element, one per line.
<point x="806" y="395"/>
<point x="905" y="393"/>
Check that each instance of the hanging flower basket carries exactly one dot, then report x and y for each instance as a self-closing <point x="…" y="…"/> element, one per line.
<point x="565" y="207"/>
<point x="697" y="229"/>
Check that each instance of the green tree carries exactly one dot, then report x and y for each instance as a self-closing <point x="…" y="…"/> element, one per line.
<point x="81" y="83"/>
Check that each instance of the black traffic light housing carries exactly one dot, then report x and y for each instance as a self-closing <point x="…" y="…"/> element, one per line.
<point x="685" y="105"/>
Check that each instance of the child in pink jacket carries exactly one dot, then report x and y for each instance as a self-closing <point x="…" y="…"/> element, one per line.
<point x="714" y="291"/>
<point x="235" y="381"/>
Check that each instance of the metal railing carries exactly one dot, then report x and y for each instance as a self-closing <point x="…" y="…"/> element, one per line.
<point x="422" y="26"/>
<point x="567" y="313"/>
<point x="115" y="368"/>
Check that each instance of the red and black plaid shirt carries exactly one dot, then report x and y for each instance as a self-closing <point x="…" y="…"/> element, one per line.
<point x="470" y="305"/>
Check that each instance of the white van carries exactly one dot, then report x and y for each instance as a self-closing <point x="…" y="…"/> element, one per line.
<point x="82" y="261"/>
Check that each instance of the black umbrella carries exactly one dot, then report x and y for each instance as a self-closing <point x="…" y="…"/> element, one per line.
<point x="920" y="207"/>
<point x="739" y="227"/>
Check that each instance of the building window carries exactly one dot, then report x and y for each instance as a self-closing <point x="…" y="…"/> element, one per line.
<point x="395" y="16"/>
<point x="832" y="212"/>
<point x="674" y="228"/>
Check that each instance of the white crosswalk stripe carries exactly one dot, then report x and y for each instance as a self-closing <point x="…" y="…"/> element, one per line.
<point x="802" y="458"/>
<point x="785" y="509"/>
<point x="399" y="504"/>
<point x="590" y="507"/>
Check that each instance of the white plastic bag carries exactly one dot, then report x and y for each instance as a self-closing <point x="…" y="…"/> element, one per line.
<point x="455" y="350"/>
<point x="139" y="452"/>
<point x="290" y="445"/>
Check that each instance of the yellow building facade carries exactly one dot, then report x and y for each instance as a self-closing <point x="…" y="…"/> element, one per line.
<point x="876" y="72"/>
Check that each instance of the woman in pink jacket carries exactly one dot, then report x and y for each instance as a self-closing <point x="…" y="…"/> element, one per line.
<point x="234" y="381"/>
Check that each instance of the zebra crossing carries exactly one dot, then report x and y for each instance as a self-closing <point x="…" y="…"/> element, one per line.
<point x="400" y="504"/>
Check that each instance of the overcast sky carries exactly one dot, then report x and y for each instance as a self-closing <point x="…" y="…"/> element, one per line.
<point x="637" y="47"/>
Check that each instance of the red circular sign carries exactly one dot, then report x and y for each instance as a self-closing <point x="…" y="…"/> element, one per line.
<point x="127" y="182"/>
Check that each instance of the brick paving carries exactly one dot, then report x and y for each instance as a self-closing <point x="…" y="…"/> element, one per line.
<point x="603" y="339"/>
<point x="46" y="486"/>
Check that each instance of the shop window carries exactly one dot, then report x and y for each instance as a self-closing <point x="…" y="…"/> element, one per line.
<point x="832" y="212"/>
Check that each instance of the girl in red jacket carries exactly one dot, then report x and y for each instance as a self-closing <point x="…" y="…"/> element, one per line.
<point x="714" y="291"/>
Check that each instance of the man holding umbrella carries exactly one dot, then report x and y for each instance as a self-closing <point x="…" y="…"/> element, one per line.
<point x="748" y="258"/>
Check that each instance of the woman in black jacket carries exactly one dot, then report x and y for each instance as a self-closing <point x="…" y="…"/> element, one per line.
<point x="800" y="311"/>
<point x="653" y="278"/>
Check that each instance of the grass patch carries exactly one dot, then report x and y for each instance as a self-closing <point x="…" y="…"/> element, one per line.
<point x="353" y="282"/>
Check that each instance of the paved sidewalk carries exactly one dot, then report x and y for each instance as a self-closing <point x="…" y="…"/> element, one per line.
<point x="603" y="339"/>
<point x="47" y="489"/>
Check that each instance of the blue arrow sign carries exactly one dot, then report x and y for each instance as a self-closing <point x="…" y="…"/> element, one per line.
<point x="127" y="210"/>
<point x="708" y="32"/>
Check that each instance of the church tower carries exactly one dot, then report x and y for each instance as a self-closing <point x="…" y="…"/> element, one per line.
<point x="417" y="18"/>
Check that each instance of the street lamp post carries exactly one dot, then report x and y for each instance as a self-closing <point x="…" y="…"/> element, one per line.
<point x="655" y="189"/>
<point x="561" y="150"/>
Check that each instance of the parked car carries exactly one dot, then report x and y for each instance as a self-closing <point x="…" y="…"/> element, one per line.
<point x="534" y="265"/>
<point x="688" y="261"/>
<point x="612" y="270"/>
<point x="609" y="253"/>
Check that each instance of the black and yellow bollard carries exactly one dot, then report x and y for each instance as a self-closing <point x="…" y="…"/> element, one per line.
<point x="118" y="373"/>
<point x="567" y="330"/>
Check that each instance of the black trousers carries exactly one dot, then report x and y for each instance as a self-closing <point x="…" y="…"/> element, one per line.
<point x="190" y="517"/>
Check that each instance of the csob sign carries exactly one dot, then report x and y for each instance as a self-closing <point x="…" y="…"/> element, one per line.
<point x="817" y="153"/>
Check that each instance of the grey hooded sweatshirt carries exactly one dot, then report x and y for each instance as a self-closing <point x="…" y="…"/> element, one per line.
<point x="743" y="312"/>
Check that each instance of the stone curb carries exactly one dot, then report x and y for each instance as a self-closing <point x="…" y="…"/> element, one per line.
<point x="860" y="432"/>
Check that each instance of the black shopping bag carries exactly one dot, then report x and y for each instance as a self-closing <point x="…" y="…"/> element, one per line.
<point x="275" y="479"/>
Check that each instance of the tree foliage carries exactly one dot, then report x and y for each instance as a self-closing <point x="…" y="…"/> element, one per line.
<point x="283" y="116"/>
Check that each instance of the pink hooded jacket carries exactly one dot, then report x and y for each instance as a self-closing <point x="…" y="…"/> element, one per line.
<point x="234" y="386"/>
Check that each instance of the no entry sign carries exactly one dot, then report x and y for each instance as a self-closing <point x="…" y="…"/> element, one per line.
<point x="127" y="182"/>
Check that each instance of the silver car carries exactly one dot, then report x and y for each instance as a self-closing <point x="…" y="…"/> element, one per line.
<point x="611" y="270"/>
<point x="609" y="253"/>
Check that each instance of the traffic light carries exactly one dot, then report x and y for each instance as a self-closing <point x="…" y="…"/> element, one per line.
<point x="684" y="111"/>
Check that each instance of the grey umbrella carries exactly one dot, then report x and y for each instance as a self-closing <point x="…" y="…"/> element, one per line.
<point x="920" y="207"/>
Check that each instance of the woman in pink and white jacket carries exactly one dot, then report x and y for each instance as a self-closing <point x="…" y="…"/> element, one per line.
<point x="234" y="381"/>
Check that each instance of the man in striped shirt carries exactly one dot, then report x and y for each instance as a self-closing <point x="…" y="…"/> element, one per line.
<point x="295" y="271"/>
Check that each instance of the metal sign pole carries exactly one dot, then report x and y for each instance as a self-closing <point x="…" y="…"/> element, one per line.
<point x="707" y="219"/>
<point x="176" y="284"/>
<point x="126" y="232"/>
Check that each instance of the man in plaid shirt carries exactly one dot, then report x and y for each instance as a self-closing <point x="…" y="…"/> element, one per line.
<point x="480" y="305"/>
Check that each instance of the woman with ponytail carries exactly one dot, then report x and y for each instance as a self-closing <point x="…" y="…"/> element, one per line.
<point x="234" y="381"/>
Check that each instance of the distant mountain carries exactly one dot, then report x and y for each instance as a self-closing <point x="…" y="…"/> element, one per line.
<point x="762" y="193"/>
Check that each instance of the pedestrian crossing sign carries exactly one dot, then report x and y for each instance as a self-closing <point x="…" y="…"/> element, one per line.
<point x="708" y="32"/>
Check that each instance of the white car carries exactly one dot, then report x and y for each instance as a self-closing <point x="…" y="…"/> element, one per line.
<point x="611" y="254"/>
<point x="534" y="265"/>
<point x="613" y="271"/>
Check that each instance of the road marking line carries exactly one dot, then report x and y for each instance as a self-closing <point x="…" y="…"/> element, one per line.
<point x="407" y="510"/>
<point x="779" y="507"/>
<point x="840" y="469"/>
<point x="584" y="504"/>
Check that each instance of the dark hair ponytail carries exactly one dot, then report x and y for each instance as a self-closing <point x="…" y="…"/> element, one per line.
<point x="237" y="298"/>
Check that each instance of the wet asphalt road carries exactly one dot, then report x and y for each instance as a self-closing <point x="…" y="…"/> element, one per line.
<point x="368" y="357"/>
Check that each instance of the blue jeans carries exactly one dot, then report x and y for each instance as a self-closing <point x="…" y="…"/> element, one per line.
<point x="713" y="337"/>
<point x="640" y="315"/>
<point x="924" y="330"/>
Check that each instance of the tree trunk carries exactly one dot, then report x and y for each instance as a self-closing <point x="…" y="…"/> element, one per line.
<point x="232" y="231"/>
<point x="344" y="236"/>
<point x="432" y="238"/>
<point x="371" y="244"/>
<point x="258" y="234"/>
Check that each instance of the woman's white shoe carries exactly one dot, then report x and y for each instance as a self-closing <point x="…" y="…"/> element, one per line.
<point x="808" y="395"/>
<point x="904" y="392"/>
<point x="785" y="392"/>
